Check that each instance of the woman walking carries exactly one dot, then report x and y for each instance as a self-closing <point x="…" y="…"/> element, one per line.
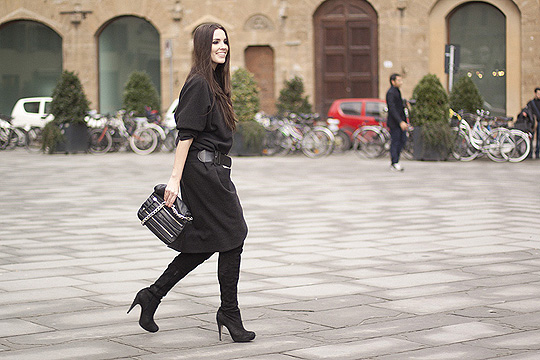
<point x="205" y="122"/>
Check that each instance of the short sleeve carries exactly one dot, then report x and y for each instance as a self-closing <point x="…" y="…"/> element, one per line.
<point x="194" y="108"/>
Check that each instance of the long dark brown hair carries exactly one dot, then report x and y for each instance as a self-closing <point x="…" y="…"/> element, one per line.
<point x="218" y="79"/>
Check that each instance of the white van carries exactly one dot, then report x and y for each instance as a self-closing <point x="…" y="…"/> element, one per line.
<point x="32" y="112"/>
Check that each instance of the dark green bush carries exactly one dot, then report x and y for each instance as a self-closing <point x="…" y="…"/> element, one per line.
<point x="465" y="96"/>
<point x="431" y="112"/>
<point x="291" y="98"/>
<point x="69" y="105"/>
<point x="246" y="103"/>
<point x="245" y="95"/>
<point x="140" y="92"/>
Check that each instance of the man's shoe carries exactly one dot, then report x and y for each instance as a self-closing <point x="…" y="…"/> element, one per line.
<point x="396" y="167"/>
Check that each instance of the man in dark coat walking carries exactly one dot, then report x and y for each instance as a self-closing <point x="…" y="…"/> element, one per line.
<point x="534" y="109"/>
<point x="397" y="121"/>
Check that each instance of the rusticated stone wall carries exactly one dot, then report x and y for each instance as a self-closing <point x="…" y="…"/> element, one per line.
<point x="410" y="33"/>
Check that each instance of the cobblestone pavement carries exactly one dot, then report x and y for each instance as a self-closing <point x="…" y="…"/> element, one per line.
<point x="344" y="260"/>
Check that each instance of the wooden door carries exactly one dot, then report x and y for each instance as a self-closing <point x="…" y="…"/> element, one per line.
<point x="346" y="52"/>
<point x="260" y="62"/>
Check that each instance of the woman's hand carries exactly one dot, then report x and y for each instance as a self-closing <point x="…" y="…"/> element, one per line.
<point x="171" y="191"/>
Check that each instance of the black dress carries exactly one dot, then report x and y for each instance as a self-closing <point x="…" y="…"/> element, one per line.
<point x="218" y="221"/>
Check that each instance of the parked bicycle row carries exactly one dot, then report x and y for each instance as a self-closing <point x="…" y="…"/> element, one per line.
<point x="475" y="135"/>
<point x="294" y="133"/>
<point x="142" y="135"/>
<point x="306" y="133"/>
<point x="479" y="134"/>
<point x="107" y="133"/>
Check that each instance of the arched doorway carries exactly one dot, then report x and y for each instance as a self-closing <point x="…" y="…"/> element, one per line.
<point x="346" y="51"/>
<point x="30" y="59"/>
<point x="126" y="44"/>
<point x="438" y="37"/>
<point x="480" y="31"/>
<point x="260" y="61"/>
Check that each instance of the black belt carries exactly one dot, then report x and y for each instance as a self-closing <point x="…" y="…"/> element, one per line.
<point x="214" y="157"/>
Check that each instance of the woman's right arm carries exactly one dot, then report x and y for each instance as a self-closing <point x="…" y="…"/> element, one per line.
<point x="173" y="186"/>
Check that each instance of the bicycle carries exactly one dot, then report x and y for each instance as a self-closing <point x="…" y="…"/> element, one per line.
<point x="498" y="143"/>
<point x="342" y="137"/>
<point x="6" y="131"/>
<point x="114" y="135"/>
<point x="374" y="141"/>
<point x="300" y="134"/>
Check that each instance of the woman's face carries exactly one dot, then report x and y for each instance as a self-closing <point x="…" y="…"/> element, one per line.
<point x="220" y="47"/>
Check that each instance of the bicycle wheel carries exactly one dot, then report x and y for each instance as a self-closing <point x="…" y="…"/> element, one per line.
<point x="407" y="152"/>
<point x="5" y="137"/>
<point x="463" y="150"/>
<point x="100" y="141"/>
<point x="144" y="141"/>
<point x="493" y="144"/>
<point x="342" y="142"/>
<point x="18" y="137"/>
<point x="169" y="144"/>
<point x="369" y="143"/>
<point x="515" y="146"/>
<point x="34" y="140"/>
<point x="317" y="142"/>
<point x="277" y="143"/>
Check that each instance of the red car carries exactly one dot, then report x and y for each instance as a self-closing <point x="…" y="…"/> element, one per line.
<point x="353" y="113"/>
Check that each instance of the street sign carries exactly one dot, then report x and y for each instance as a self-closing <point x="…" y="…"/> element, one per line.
<point x="451" y="58"/>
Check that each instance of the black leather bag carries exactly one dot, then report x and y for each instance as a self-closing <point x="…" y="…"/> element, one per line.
<point x="165" y="222"/>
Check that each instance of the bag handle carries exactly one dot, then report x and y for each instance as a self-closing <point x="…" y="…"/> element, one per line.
<point x="161" y="205"/>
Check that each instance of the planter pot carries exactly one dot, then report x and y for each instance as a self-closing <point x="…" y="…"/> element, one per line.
<point x="76" y="139"/>
<point x="424" y="152"/>
<point x="242" y="148"/>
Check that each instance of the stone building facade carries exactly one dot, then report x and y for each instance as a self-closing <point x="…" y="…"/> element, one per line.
<point x="340" y="48"/>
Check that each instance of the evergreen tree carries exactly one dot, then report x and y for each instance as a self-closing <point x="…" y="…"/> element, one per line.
<point x="291" y="98"/>
<point x="245" y="95"/>
<point x="246" y="103"/>
<point x="69" y="103"/>
<point x="431" y="112"/>
<point x="465" y="96"/>
<point x="140" y="92"/>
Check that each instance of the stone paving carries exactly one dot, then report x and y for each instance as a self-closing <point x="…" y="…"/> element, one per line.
<point x="344" y="260"/>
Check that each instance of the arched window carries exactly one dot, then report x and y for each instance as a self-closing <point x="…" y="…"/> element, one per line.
<point x="126" y="44"/>
<point x="31" y="62"/>
<point x="480" y="31"/>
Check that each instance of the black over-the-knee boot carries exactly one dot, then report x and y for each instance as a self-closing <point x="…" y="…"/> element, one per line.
<point x="150" y="297"/>
<point x="228" y="314"/>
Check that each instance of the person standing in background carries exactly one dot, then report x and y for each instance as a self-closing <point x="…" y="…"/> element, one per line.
<point x="397" y="121"/>
<point x="534" y="107"/>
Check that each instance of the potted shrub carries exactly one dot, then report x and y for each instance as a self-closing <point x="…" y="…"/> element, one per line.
<point x="291" y="98"/>
<point x="432" y="135"/>
<point x="68" y="131"/>
<point x="138" y="93"/>
<point x="465" y="96"/>
<point x="249" y="136"/>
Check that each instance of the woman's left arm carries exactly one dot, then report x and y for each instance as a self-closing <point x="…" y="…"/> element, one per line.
<point x="173" y="186"/>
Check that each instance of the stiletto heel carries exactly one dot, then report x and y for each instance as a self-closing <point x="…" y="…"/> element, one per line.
<point x="219" y="328"/>
<point x="135" y="302"/>
<point x="233" y="322"/>
<point x="149" y="304"/>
